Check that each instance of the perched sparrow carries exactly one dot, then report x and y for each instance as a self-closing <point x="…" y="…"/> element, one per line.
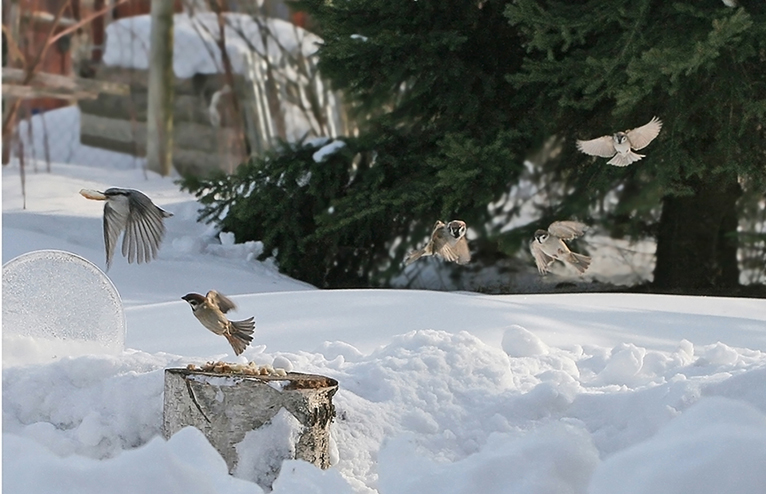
<point x="447" y="241"/>
<point x="620" y="145"/>
<point x="548" y="245"/>
<point x="130" y="211"/>
<point x="210" y="310"/>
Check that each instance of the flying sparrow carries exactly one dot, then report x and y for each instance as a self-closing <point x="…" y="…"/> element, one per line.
<point x="130" y="211"/>
<point x="210" y="310"/>
<point x="548" y="245"/>
<point x="620" y="146"/>
<point x="447" y="241"/>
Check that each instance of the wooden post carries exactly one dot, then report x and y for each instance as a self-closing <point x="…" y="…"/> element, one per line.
<point x="226" y="407"/>
<point x="159" y="123"/>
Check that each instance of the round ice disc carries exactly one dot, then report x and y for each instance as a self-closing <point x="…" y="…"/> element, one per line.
<point x="58" y="304"/>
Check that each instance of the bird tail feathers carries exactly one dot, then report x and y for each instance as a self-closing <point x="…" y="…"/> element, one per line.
<point x="625" y="159"/>
<point x="241" y="335"/>
<point x="579" y="261"/>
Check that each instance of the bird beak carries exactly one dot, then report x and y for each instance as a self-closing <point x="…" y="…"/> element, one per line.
<point x="92" y="194"/>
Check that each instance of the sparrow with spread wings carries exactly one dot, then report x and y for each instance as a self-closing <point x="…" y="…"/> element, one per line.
<point x="549" y="245"/>
<point x="211" y="309"/>
<point x="447" y="241"/>
<point x="620" y="146"/>
<point x="132" y="212"/>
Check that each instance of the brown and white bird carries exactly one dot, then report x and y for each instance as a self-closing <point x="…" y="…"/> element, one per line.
<point x="210" y="310"/>
<point x="620" y="146"/>
<point x="447" y="241"/>
<point x="132" y="212"/>
<point x="548" y="245"/>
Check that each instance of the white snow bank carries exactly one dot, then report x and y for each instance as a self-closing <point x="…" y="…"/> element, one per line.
<point x="518" y="342"/>
<point x="555" y="459"/>
<point x="263" y="450"/>
<point x="187" y="463"/>
<point x="300" y="477"/>
<point x="718" y="445"/>
<point x="54" y="136"/>
<point x="453" y="407"/>
<point x="95" y="406"/>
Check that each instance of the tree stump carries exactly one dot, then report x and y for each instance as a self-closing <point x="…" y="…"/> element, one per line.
<point x="227" y="407"/>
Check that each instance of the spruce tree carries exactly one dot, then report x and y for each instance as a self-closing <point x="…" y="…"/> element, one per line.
<point x="437" y="140"/>
<point x="603" y="66"/>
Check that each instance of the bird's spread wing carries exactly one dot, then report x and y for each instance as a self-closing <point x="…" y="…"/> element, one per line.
<point x="641" y="137"/>
<point x="223" y="302"/>
<point x="447" y="252"/>
<point x="114" y="223"/>
<point x="601" y="146"/>
<point x="144" y="229"/>
<point x="567" y="230"/>
<point x="542" y="259"/>
<point x="416" y="254"/>
<point x="462" y="251"/>
<point x="441" y="246"/>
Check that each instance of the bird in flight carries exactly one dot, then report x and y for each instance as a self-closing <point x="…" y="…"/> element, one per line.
<point x="211" y="309"/>
<point x="620" y="146"/>
<point x="132" y="212"/>
<point x="447" y="241"/>
<point x="549" y="245"/>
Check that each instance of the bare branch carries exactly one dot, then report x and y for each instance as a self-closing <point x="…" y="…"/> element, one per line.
<point x="82" y="22"/>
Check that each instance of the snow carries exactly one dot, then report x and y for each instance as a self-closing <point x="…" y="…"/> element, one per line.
<point x="735" y="463"/>
<point x="440" y="392"/>
<point x="195" y="48"/>
<point x="56" y="135"/>
<point x="327" y="150"/>
<point x="186" y="463"/>
<point x="263" y="450"/>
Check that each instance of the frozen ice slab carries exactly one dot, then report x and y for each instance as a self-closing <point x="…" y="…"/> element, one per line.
<point x="58" y="304"/>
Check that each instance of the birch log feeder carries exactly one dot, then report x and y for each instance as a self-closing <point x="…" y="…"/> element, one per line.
<point x="227" y="407"/>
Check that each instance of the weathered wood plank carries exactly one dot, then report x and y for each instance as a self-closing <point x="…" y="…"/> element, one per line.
<point x="30" y="92"/>
<point x="201" y="164"/>
<point x="113" y="129"/>
<point x="197" y="149"/>
<point x="185" y="108"/>
<point x="191" y="136"/>
<point x="137" y="149"/>
<point x="77" y="85"/>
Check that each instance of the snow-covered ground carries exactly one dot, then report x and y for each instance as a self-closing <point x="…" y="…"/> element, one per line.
<point x="439" y="392"/>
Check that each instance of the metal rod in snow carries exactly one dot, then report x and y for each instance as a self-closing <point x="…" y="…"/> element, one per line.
<point x="159" y="119"/>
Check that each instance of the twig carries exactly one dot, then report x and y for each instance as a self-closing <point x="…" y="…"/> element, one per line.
<point x="22" y="174"/>
<point x="82" y="22"/>
<point x="46" y="143"/>
<point x="50" y="38"/>
<point x="217" y="6"/>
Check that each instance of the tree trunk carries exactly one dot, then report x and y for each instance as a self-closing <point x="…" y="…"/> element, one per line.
<point x="241" y="415"/>
<point x="697" y="237"/>
<point x="159" y="120"/>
